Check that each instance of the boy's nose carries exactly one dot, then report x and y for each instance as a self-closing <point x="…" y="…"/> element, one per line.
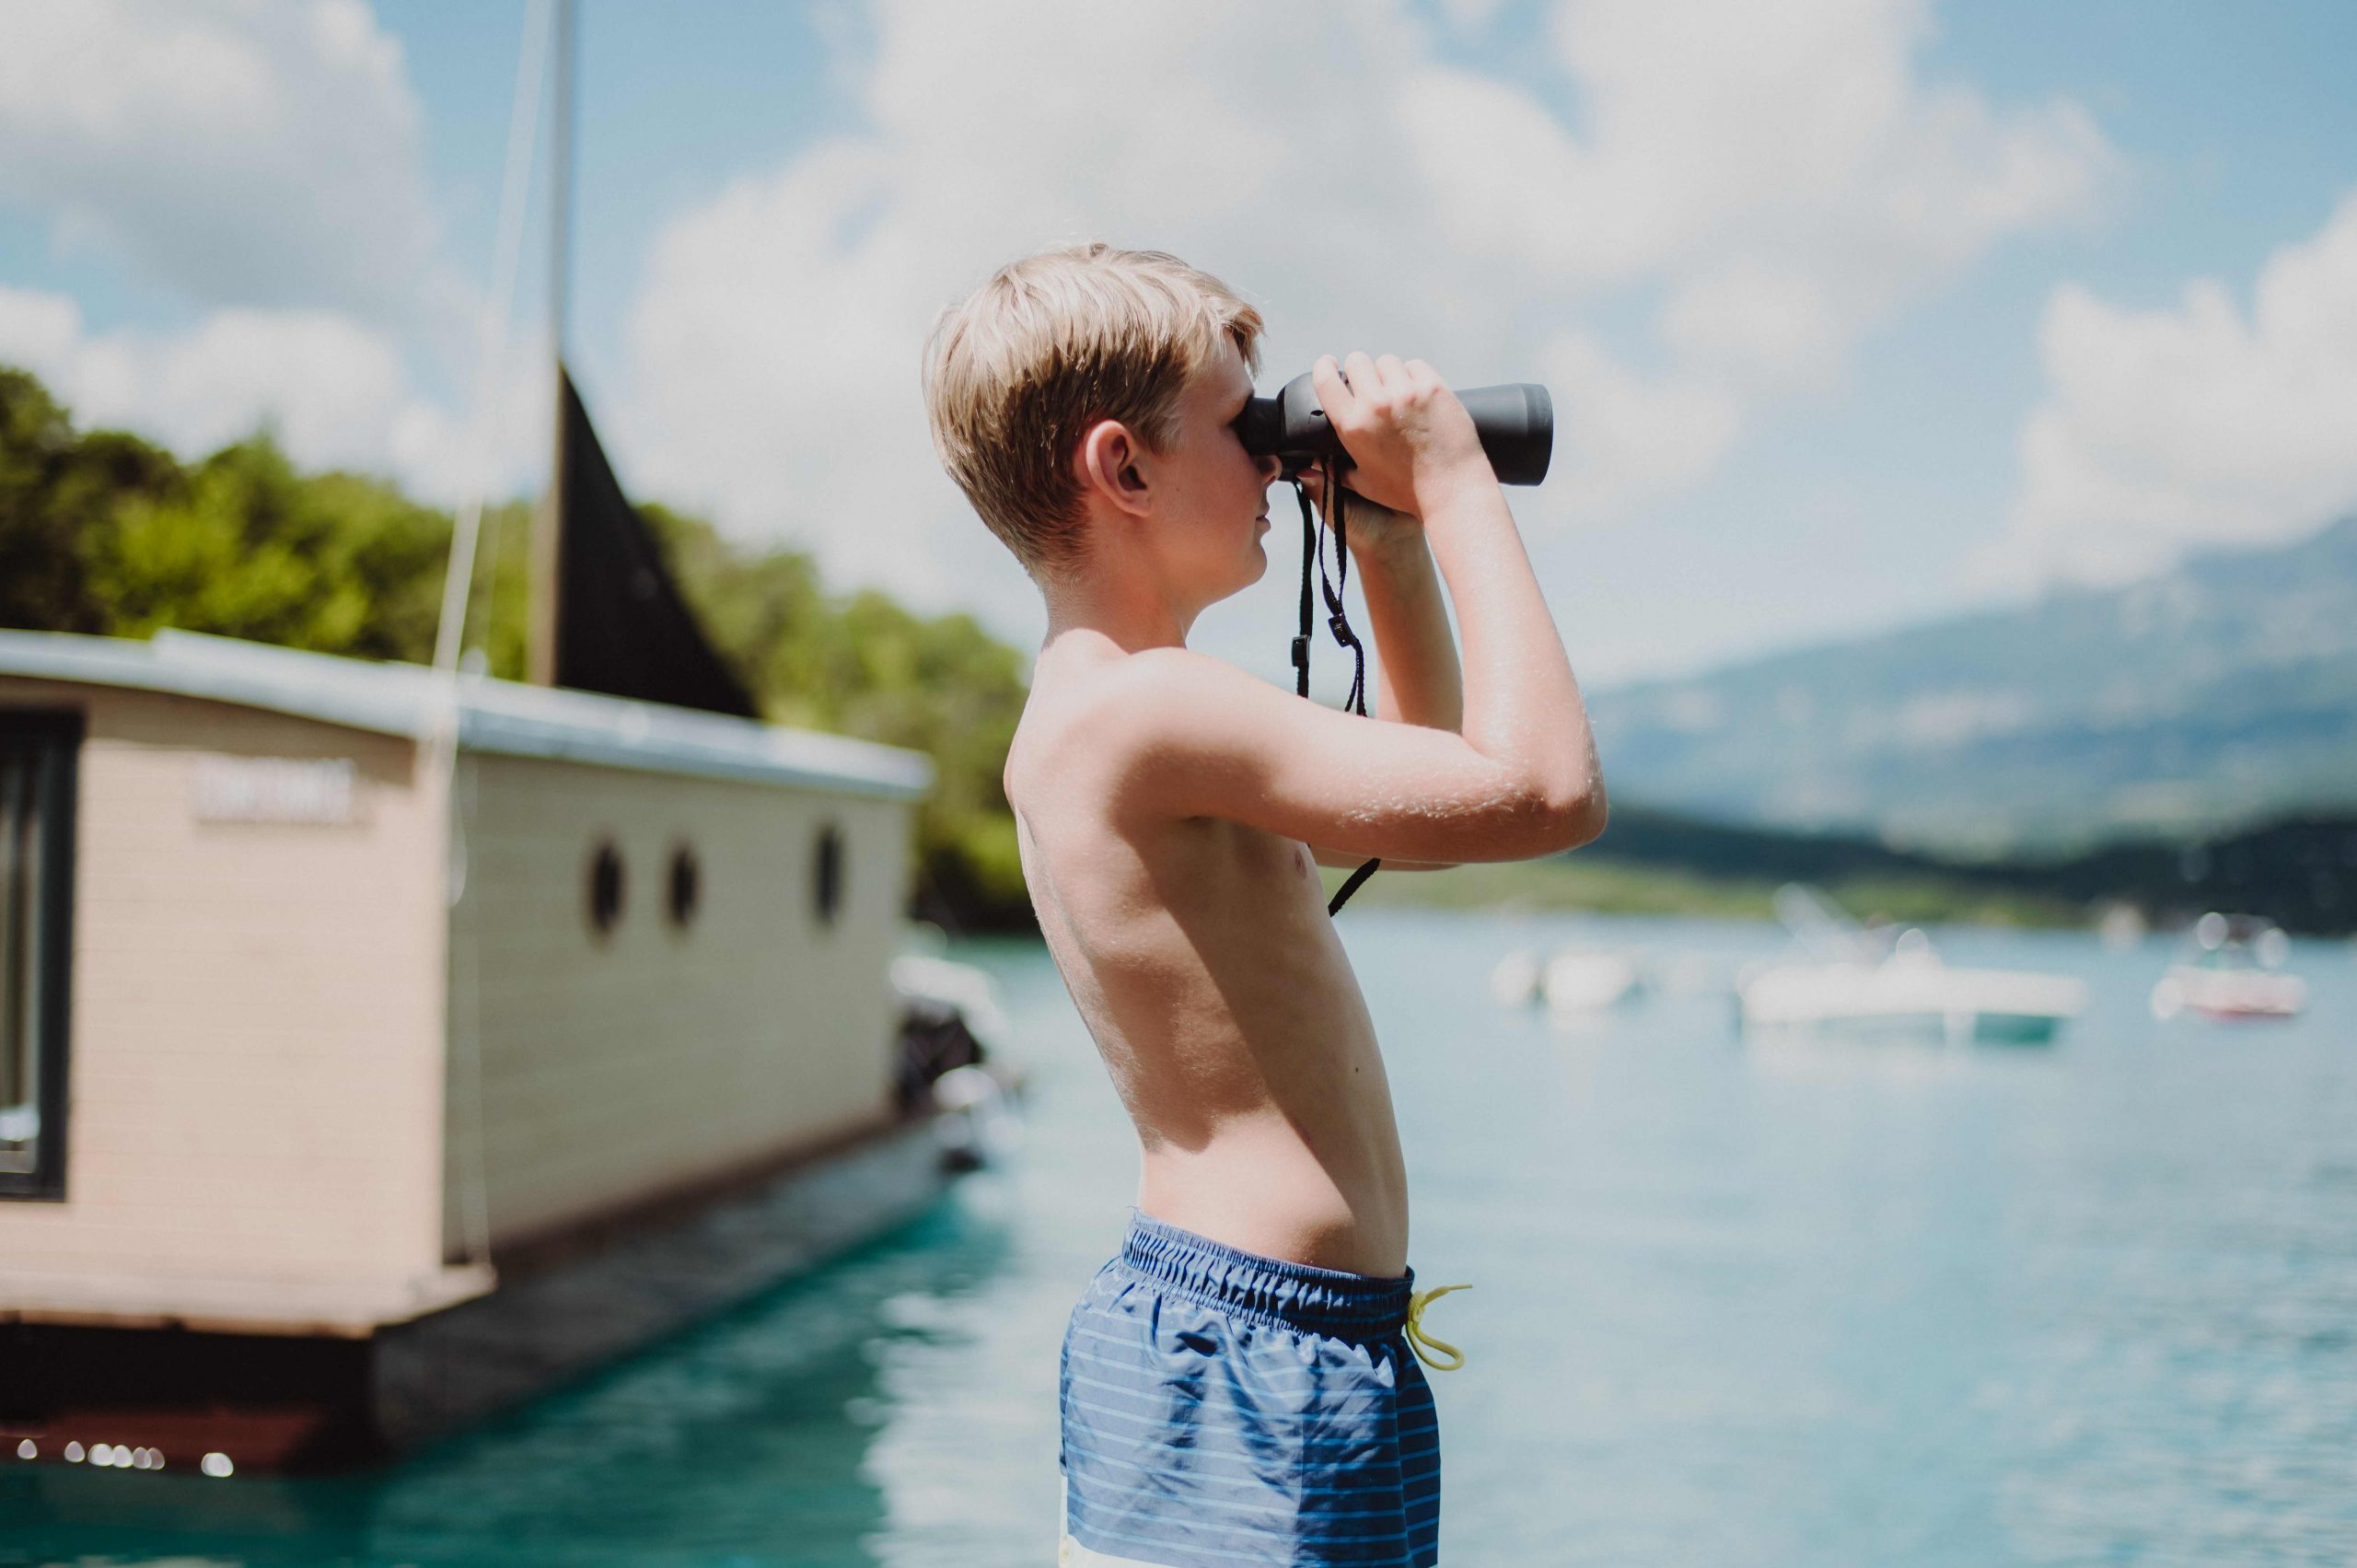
<point x="1270" y="467"/>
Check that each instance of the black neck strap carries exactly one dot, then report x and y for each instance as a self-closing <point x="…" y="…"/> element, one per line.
<point x="1313" y="545"/>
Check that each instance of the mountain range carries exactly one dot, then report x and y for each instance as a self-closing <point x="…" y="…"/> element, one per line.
<point x="2220" y="694"/>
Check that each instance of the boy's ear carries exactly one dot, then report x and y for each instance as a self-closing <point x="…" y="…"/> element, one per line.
<point x="1110" y="462"/>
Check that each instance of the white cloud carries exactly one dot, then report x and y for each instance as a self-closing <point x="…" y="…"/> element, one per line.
<point x="241" y="152"/>
<point x="335" y="391"/>
<point x="1696" y="211"/>
<point x="263" y="160"/>
<point x="1760" y="184"/>
<point x="2162" y="429"/>
<point x="1636" y="438"/>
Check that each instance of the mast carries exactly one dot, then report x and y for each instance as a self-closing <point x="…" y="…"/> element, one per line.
<point x="548" y="519"/>
<point x="606" y="613"/>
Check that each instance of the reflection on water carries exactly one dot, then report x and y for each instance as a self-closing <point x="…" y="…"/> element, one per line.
<point x="1905" y="1305"/>
<point x="746" y="1442"/>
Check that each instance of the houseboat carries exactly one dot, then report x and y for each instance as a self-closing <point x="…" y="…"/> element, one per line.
<point x="347" y="1092"/>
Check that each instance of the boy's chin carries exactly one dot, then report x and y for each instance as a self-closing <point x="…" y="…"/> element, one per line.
<point x="1256" y="568"/>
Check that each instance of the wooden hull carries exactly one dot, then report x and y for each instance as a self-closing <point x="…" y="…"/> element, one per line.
<point x="275" y="1402"/>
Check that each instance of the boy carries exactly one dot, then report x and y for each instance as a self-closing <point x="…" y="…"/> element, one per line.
<point x="1237" y="1384"/>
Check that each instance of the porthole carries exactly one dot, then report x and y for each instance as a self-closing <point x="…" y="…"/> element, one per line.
<point x="828" y="873"/>
<point x="605" y="887"/>
<point x="686" y="885"/>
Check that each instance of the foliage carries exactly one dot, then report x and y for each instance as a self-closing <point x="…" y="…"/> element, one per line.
<point x="245" y="546"/>
<point x="103" y="533"/>
<point x="59" y="492"/>
<point x="867" y="667"/>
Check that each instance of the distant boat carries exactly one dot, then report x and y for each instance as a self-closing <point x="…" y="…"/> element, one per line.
<point x="1850" y="981"/>
<point x="1513" y="981"/>
<point x="954" y="1058"/>
<point x="1572" y="982"/>
<point x="2231" y="967"/>
<point x="1580" y="980"/>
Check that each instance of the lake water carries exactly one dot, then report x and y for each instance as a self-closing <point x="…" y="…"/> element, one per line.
<point x="2092" y="1303"/>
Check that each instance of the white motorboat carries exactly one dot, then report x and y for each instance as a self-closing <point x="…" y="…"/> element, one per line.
<point x="1513" y="981"/>
<point x="1847" y="981"/>
<point x="2231" y="967"/>
<point x="955" y="1052"/>
<point x="1580" y="980"/>
<point x="1569" y="982"/>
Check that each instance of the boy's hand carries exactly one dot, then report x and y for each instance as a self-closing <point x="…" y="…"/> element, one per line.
<point x="1409" y="437"/>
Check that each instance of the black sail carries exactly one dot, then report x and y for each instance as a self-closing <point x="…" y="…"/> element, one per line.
<point x="621" y="627"/>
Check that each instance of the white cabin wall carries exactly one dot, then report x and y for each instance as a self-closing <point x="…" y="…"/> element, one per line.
<point x="617" y="1069"/>
<point x="255" y="1060"/>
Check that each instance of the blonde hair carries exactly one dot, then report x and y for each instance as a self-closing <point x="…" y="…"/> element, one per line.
<point x="1016" y="374"/>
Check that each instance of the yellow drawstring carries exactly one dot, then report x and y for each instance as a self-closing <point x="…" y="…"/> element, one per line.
<point x="1418" y="1339"/>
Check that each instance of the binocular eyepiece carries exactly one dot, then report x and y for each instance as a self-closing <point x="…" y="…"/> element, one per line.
<point x="1516" y="423"/>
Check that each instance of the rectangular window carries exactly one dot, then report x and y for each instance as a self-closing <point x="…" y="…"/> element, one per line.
<point x="37" y="750"/>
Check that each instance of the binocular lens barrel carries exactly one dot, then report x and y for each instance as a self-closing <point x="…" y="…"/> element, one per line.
<point x="1516" y="423"/>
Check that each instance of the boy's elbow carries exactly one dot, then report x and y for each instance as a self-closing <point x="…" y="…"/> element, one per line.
<point x="1550" y="817"/>
<point x="1578" y="812"/>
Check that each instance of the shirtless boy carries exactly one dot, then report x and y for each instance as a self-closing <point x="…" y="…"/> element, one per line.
<point x="1237" y="1383"/>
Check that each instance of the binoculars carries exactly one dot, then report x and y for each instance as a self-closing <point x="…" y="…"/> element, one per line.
<point x="1516" y="423"/>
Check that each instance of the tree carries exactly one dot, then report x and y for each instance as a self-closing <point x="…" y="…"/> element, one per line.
<point x="869" y="668"/>
<point x="248" y="548"/>
<point x="58" y="496"/>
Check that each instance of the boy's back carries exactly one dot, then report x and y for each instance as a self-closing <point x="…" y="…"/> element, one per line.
<point x="1199" y="953"/>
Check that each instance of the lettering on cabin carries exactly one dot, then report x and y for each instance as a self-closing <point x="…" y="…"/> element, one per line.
<point x="275" y="789"/>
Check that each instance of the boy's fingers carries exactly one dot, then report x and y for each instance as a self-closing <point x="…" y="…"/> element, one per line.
<point x="1365" y="379"/>
<point x="1332" y="395"/>
<point x="1394" y="373"/>
<point x="1423" y="374"/>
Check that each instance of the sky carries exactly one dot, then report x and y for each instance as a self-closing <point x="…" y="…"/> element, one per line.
<point x="1856" y="313"/>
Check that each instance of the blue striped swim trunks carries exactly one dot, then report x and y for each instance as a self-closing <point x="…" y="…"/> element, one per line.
<point x="1223" y="1409"/>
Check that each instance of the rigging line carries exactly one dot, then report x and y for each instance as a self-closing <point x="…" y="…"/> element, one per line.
<point x="507" y="258"/>
<point x="485" y="620"/>
<point x="442" y="740"/>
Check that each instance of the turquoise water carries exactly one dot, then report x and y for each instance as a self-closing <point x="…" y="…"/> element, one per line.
<point x="2095" y="1303"/>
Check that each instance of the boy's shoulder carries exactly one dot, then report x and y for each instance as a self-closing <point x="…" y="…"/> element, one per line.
<point x="1103" y="688"/>
<point x="1103" y="707"/>
<point x="1174" y="695"/>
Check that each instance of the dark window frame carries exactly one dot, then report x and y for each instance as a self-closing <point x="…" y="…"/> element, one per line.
<point x="683" y="885"/>
<point x="604" y="850"/>
<point x="830" y="848"/>
<point x="54" y="737"/>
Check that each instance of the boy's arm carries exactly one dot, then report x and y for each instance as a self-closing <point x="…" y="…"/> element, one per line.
<point x="1190" y="737"/>
<point x="1417" y="678"/>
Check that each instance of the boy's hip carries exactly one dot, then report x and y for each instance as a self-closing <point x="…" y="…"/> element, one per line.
<point x="1220" y="1408"/>
<point x="1252" y="1287"/>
